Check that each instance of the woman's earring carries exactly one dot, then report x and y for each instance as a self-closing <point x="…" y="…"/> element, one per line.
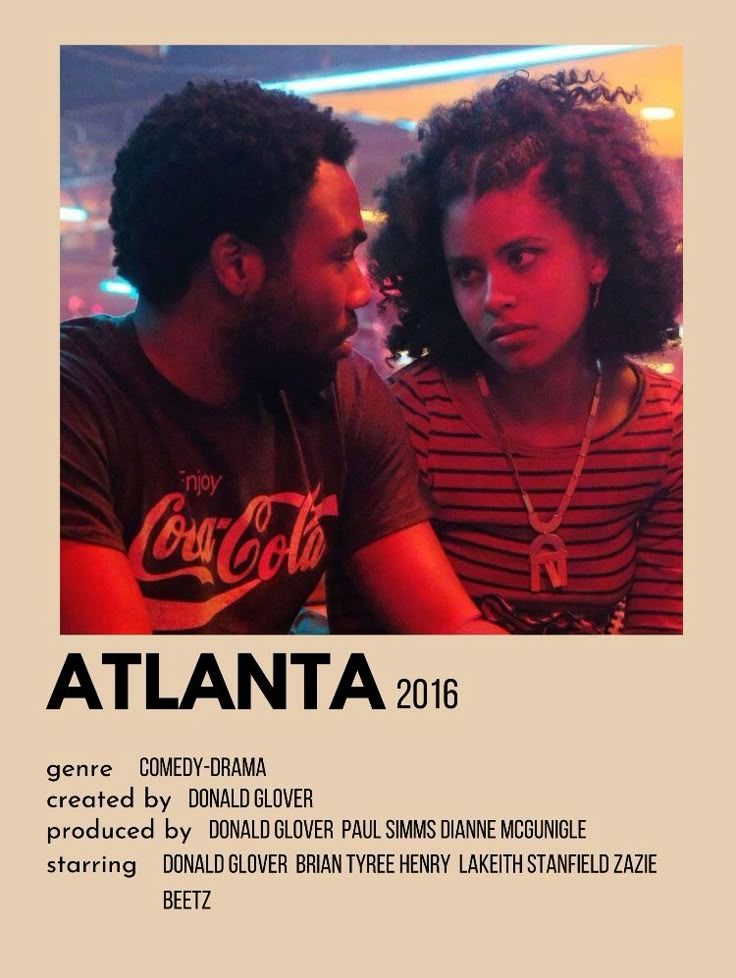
<point x="596" y="294"/>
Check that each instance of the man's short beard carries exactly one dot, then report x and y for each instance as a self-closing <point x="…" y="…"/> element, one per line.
<point x="254" y="351"/>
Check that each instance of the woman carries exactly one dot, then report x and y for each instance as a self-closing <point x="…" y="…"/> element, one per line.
<point x="527" y="250"/>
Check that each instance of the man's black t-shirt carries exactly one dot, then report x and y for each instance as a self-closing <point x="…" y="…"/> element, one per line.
<point x="228" y="515"/>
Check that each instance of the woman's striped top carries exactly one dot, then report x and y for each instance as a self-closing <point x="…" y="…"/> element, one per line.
<point x="622" y="529"/>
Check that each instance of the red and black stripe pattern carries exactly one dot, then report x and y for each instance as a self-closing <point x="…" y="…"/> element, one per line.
<point x="622" y="530"/>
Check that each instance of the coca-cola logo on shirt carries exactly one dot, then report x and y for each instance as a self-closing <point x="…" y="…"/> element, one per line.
<point x="231" y="555"/>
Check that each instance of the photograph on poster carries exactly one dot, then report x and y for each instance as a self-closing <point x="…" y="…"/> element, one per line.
<point x="371" y="339"/>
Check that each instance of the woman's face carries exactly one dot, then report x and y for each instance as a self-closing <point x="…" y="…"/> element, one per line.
<point x="521" y="276"/>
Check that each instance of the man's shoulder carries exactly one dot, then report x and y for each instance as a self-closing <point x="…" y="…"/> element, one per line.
<point x="98" y="361"/>
<point x="364" y="403"/>
<point x="91" y="329"/>
<point x="92" y="339"/>
<point x="355" y="374"/>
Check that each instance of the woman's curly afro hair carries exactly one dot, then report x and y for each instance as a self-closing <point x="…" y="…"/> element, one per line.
<point x="212" y="158"/>
<point x="595" y="167"/>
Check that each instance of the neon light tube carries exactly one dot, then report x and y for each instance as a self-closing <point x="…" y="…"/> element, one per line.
<point x="454" y="68"/>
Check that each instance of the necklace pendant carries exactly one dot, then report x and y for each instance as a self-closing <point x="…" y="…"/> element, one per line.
<point x="548" y="553"/>
<point x="544" y="527"/>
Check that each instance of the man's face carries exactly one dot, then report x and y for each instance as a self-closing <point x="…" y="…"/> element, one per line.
<point x="301" y="319"/>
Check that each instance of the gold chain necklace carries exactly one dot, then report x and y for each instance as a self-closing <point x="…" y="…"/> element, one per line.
<point x="547" y="551"/>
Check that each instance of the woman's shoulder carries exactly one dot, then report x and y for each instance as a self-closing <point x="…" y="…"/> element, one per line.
<point x="422" y="370"/>
<point x="637" y="396"/>
<point x="658" y="388"/>
<point x="422" y="377"/>
<point x="654" y="416"/>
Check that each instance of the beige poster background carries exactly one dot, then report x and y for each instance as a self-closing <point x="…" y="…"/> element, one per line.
<point x="635" y="736"/>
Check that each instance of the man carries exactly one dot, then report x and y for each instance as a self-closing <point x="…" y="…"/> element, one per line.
<point x="221" y="445"/>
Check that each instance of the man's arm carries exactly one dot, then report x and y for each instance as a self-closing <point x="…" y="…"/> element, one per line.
<point x="411" y="585"/>
<point x="99" y="594"/>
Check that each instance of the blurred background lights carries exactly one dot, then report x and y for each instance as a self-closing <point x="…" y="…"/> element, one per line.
<point x="74" y="215"/>
<point x="371" y="216"/>
<point x="118" y="286"/>
<point x="379" y="90"/>
<point x="657" y="113"/>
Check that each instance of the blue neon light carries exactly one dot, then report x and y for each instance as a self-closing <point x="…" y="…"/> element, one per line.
<point x="453" y="68"/>
<point x="74" y="214"/>
<point x="118" y="286"/>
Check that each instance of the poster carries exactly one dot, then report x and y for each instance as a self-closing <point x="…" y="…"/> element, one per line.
<point x="626" y="747"/>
